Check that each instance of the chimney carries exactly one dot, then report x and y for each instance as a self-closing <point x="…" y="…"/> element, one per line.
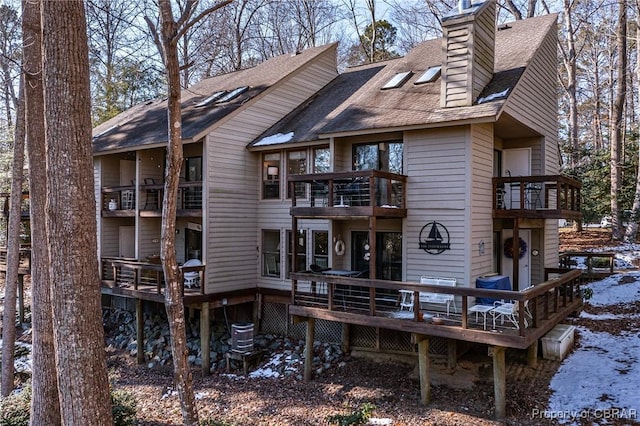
<point x="468" y="52"/>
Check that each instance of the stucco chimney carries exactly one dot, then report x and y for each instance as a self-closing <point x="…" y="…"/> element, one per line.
<point x="468" y="52"/>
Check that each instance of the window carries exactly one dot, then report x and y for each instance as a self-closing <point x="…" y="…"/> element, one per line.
<point x="429" y="76"/>
<point x="232" y="94"/>
<point x="271" y="253"/>
<point x="321" y="249"/>
<point x="397" y="80"/>
<point x="192" y="195"/>
<point x="211" y="99"/>
<point x="385" y="156"/>
<point x="271" y="176"/>
<point x="321" y="160"/>
<point x="297" y="165"/>
<point x="301" y="251"/>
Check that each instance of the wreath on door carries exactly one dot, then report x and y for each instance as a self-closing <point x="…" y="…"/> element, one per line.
<point x="508" y="248"/>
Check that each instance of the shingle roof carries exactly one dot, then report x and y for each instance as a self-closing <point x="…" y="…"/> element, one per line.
<point x="353" y="102"/>
<point x="146" y="124"/>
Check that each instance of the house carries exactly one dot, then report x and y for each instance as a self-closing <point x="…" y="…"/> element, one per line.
<point x="322" y="198"/>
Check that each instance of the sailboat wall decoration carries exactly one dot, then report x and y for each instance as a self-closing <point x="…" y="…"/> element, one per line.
<point x="434" y="238"/>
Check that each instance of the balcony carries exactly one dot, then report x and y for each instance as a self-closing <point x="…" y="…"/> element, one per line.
<point x="120" y="201"/>
<point x="536" y="197"/>
<point x="349" y="194"/>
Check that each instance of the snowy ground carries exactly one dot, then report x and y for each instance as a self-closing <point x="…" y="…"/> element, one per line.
<point x="598" y="382"/>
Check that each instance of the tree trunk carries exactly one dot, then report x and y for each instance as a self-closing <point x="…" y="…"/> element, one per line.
<point x="617" y="120"/>
<point x="45" y="406"/>
<point x="70" y="218"/>
<point x="173" y="290"/>
<point x="13" y="250"/>
<point x="632" y="228"/>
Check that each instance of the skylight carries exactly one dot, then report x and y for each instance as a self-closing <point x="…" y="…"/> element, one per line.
<point x="210" y="99"/>
<point x="233" y="94"/>
<point x="429" y="76"/>
<point x="397" y="80"/>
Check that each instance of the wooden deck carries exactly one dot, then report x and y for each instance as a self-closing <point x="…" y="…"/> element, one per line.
<point x="375" y="303"/>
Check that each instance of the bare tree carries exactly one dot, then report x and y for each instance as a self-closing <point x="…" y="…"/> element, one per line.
<point x="617" y="119"/>
<point x="167" y="38"/>
<point x="569" y="61"/>
<point x="45" y="406"/>
<point x="13" y="250"/>
<point x="9" y="58"/>
<point x="71" y="228"/>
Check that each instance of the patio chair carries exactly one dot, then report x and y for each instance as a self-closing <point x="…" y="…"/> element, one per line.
<point x="192" y="278"/>
<point x="510" y="311"/>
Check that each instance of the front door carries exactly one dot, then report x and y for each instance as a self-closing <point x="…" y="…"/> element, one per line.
<point x="127" y="241"/>
<point x="524" y="271"/>
<point x="388" y="254"/>
<point x="515" y="162"/>
<point x="193" y="244"/>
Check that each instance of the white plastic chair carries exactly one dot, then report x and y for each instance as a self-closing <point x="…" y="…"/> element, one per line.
<point x="510" y="311"/>
<point x="192" y="278"/>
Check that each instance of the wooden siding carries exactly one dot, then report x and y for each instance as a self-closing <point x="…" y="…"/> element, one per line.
<point x="484" y="35"/>
<point x="481" y="200"/>
<point x="149" y="237"/>
<point x="457" y="69"/>
<point x="97" y="194"/>
<point x="534" y="102"/>
<point x="436" y="162"/>
<point x="468" y="55"/>
<point x="234" y="205"/>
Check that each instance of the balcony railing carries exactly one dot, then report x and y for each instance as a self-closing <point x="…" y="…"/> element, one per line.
<point x="133" y="275"/>
<point x="376" y="303"/>
<point x="547" y="197"/>
<point x="121" y="200"/>
<point x="352" y="193"/>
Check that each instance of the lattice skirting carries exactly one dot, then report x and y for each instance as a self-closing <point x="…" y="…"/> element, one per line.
<point x="275" y="321"/>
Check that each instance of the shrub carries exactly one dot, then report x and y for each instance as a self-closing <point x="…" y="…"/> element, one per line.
<point x="14" y="409"/>
<point x="358" y="416"/>
<point x="123" y="406"/>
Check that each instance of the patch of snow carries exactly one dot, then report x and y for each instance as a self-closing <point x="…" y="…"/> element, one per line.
<point x="275" y="139"/>
<point x="610" y="291"/>
<point x="600" y="377"/>
<point x="493" y="96"/>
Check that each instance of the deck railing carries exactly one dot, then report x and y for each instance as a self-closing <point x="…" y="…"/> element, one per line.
<point x="381" y="298"/>
<point x="367" y="188"/>
<point x="123" y="198"/>
<point x="24" y="262"/>
<point x="134" y="275"/>
<point x="593" y="265"/>
<point x="537" y="193"/>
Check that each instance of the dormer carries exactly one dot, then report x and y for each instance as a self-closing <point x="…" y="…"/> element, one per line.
<point x="468" y="52"/>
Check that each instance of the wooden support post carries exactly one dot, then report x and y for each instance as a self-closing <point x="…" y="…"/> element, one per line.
<point x="346" y="337"/>
<point x="452" y="353"/>
<point x="308" y="350"/>
<point x="205" y="338"/>
<point x="532" y="355"/>
<point x="20" y="297"/>
<point x="140" y="331"/>
<point x="499" y="380"/>
<point x="425" y="374"/>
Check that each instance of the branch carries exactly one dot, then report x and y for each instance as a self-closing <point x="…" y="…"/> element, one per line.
<point x="156" y="38"/>
<point x="184" y="28"/>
